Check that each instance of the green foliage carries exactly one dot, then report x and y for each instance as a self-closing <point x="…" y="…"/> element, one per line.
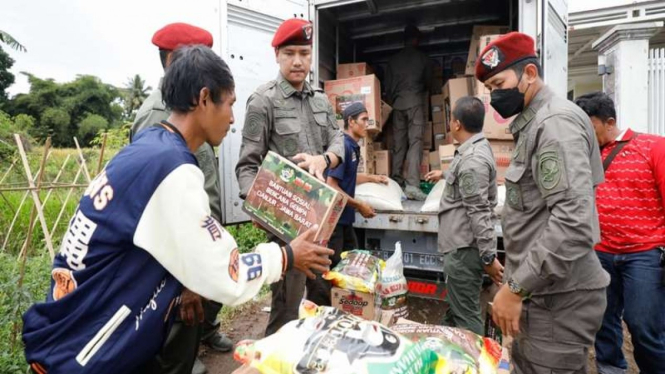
<point x="10" y="41"/>
<point x="8" y="128"/>
<point x="116" y="138"/>
<point x="91" y="125"/>
<point x="135" y="93"/>
<point x="6" y="77"/>
<point x="61" y="108"/>
<point x="54" y="122"/>
<point x="14" y="301"/>
<point x="247" y="236"/>
<point x="24" y="122"/>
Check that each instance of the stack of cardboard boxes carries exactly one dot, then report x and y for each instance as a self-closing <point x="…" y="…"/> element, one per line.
<point x="357" y="83"/>
<point x="495" y="128"/>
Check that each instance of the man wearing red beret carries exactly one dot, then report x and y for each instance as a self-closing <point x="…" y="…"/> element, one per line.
<point x="554" y="296"/>
<point x="180" y="351"/>
<point x="290" y="117"/>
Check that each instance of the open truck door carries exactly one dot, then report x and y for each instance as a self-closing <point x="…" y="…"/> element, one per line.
<point x="547" y="22"/>
<point x="246" y="31"/>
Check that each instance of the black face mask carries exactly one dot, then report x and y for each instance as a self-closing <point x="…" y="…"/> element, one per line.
<point x="508" y="102"/>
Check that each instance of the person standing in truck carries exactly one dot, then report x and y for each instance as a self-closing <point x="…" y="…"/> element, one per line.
<point x="345" y="178"/>
<point x="632" y="246"/>
<point x="554" y="296"/>
<point x="408" y="80"/>
<point x="142" y="231"/>
<point x="198" y="320"/>
<point x="467" y="237"/>
<point x="290" y="117"/>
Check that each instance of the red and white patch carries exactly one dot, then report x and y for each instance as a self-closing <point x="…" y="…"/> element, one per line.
<point x="491" y="58"/>
<point x="307" y="32"/>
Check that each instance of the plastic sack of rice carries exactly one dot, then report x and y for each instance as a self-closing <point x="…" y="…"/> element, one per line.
<point x="392" y="287"/>
<point x="358" y="270"/>
<point x="462" y="350"/>
<point x="328" y="340"/>
<point x="381" y="196"/>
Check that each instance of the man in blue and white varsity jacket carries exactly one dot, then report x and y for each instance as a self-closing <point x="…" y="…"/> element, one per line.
<point x="143" y="230"/>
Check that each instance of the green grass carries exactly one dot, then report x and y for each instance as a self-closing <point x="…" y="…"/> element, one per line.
<point x="14" y="301"/>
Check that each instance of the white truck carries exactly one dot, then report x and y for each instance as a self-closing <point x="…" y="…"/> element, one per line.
<point x="371" y="31"/>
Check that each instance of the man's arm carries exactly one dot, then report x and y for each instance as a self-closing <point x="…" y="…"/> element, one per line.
<point x="658" y="167"/>
<point x="562" y="172"/>
<point x="369" y="178"/>
<point x="255" y="135"/>
<point x="474" y="185"/>
<point x="177" y="230"/>
<point x="207" y="160"/>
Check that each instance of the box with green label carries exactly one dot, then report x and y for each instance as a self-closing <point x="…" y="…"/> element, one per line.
<point x="287" y="200"/>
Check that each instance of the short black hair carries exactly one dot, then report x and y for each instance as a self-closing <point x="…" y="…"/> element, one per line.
<point x="519" y="67"/>
<point x="411" y="32"/>
<point x="191" y="69"/>
<point x="354" y="117"/>
<point x="470" y="111"/>
<point x="597" y="104"/>
<point x="164" y="56"/>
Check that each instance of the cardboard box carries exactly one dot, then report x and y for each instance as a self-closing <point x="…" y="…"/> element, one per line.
<point x="441" y="139"/>
<point x="446" y="155"/>
<point x="359" y="304"/>
<point x="503" y="153"/>
<point x="474" y="47"/>
<point x="385" y="113"/>
<point x="366" y="89"/>
<point x="353" y="70"/>
<point x="438" y="128"/>
<point x="427" y="137"/>
<point x="382" y="163"/>
<point x="287" y="200"/>
<point x="366" y="162"/>
<point x="495" y="126"/>
<point x="437" y="109"/>
<point x="434" y="160"/>
<point x="484" y="40"/>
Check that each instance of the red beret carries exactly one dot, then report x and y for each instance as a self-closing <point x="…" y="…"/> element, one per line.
<point x="293" y="31"/>
<point x="171" y="36"/>
<point x="502" y="53"/>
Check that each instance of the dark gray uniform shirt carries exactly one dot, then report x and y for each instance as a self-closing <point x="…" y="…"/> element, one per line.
<point x="288" y="122"/>
<point x="466" y="211"/>
<point x="550" y="222"/>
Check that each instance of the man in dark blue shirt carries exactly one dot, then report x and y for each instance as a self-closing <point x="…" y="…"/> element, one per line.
<point x="344" y="178"/>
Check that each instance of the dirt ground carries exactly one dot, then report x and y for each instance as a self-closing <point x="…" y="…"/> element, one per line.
<point x="251" y="323"/>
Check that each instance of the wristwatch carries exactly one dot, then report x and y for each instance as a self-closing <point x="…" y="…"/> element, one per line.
<point x="328" y="160"/>
<point x="488" y="259"/>
<point x="517" y="289"/>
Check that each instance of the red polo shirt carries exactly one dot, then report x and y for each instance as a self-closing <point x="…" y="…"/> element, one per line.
<point x="630" y="201"/>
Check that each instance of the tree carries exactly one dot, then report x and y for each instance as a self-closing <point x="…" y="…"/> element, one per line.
<point x="135" y="93"/>
<point x="90" y="127"/>
<point x="55" y="122"/>
<point x="6" y="77"/>
<point x="52" y="104"/>
<point x="10" y="41"/>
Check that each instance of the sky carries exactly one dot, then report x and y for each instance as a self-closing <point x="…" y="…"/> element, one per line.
<point x="111" y="39"/>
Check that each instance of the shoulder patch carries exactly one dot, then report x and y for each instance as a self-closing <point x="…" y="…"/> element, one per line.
<point x="468" y="184"/>
<point x="254" y="123"/>
<point x="549" y="169"/>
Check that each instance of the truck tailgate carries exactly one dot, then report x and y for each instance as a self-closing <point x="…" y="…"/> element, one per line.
<point x="410" y="219"/>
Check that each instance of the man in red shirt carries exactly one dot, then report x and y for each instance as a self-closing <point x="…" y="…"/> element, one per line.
<point x="631" y="211"/>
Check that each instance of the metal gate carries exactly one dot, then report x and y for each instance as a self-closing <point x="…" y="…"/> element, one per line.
<point x="657" y="91"/>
